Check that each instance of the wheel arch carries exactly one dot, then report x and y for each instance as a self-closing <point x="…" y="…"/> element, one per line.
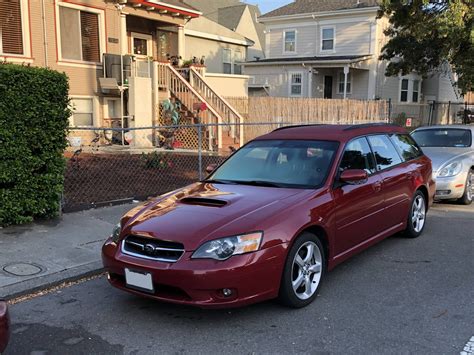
<point x="321" y="234"/>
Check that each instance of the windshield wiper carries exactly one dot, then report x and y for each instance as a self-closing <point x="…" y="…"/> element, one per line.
<point x="259" y="183"/>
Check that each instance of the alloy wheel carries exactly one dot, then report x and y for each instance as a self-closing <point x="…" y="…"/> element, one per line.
<point x="306" y="270"/>
<point x="418" y="213"/>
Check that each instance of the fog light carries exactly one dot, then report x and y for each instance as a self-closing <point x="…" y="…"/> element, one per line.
<point x="442" y="192"/>
<point x="227" y="292"/>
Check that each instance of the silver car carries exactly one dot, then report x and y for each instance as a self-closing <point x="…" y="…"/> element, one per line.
<point x="451" y="150"/>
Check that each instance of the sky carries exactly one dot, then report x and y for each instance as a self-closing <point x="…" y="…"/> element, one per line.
<point x="268" y="5"/>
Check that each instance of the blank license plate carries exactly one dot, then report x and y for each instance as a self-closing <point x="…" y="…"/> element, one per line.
<point x="139" y="280"/>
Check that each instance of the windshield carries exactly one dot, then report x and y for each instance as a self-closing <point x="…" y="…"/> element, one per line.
<point x="276" y="163"/>
<point x="443" y="137"/>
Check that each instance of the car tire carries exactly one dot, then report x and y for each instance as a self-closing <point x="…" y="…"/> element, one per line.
<point x="416" y="220"/>
<point x="467" y="197"/>
<point x="305" y="268"/>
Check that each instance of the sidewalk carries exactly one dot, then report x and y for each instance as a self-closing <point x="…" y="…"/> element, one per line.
<point x="42" y="254"/>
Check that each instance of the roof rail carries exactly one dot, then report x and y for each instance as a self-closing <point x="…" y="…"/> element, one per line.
<point x="366" y="125"/>
<point x="300" y="125"/>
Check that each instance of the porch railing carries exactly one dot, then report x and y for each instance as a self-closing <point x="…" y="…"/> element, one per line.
<point x="225" y="110"/>
<point x="172" y="80"/>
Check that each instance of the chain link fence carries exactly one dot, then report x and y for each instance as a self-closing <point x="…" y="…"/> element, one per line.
<point x="101" y="171"/>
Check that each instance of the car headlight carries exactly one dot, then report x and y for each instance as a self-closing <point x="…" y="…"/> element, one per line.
<point x="116" y="232"/>
<point x="451" y="169"/>
<point x="224" y="248"/>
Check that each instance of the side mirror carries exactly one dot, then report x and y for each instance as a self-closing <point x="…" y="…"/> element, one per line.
<point x="353" y="176"/>
<point x="210" y="168"/>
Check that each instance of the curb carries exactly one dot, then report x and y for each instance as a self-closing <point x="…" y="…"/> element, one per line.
<point x="44" y="282"/>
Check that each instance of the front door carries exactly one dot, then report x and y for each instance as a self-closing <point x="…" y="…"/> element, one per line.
<point x="328" y="87"/>
<point x="359" y="207"/>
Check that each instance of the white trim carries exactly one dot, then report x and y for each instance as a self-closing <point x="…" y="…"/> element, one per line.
<point x="25" y="36"/>
<point x="284" y="40"/>
<point x="102" y="32"/>
<point x="314" y="15"/>
<point x="219" y="38"/>
<point x="327" y="51"/>
<point x="149" y="43"/>
<point x="290" y="84"/>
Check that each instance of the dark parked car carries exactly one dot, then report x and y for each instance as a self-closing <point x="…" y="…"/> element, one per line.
<point x="273" y="218"/>
<point x="4" y="326"/>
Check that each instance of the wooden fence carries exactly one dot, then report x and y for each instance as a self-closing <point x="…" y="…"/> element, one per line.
<point x="305" y="110"/>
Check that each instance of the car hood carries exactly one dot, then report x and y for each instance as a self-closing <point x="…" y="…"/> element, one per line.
<point x="206" y="211"/>
<point x="441" y="155"/>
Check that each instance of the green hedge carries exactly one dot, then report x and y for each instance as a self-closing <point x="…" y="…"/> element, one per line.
<point x="33" y="120"/>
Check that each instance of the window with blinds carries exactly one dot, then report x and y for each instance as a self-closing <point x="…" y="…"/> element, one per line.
<point x="11" y="36"/>
<point x="79" y="33"/>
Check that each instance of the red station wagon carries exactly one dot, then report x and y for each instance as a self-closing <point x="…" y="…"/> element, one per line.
<point x="274" y="217"/>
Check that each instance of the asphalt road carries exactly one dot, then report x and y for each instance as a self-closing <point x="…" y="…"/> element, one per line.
<point x="401" y="296"/>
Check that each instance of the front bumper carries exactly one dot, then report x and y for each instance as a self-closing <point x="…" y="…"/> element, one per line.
<point x="4" y="326"/>
<point x="448" y="188"/>
<point x="252" y="277"/>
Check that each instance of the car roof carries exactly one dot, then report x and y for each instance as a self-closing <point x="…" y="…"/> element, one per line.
<point x="340" y="133"/>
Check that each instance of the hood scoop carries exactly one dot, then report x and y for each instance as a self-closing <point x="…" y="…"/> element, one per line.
<point x="202" y="201"/>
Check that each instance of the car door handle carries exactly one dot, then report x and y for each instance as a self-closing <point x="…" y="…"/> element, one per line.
<point x="377" y="186"/>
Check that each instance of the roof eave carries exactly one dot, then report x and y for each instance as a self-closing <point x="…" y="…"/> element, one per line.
<point x="165" y="6"/>
<point x="317" y="14"/>
<point x="334" y="61"/>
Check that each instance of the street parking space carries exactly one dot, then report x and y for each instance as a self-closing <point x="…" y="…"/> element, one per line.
<point x="401" y="296"/>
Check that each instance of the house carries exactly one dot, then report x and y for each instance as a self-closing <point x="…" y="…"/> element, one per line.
<point x="238" y="17"/>
<point x="330" y="49"/>
<point x="117" y="56"/>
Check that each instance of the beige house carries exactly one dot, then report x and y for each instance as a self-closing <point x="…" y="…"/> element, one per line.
<point x="330" y="49"/>
<point x="116" y="54"/>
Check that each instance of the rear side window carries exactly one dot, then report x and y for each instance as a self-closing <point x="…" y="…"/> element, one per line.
<point x="385" y="153"/>
<point x="358" y="155"/>
<point x="407" y="146"/>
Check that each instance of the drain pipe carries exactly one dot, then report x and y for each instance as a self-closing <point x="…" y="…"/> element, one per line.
<point x="45" y="42"/>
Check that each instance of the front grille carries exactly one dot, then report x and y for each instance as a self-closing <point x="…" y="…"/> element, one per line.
<point x="154" y="249"/>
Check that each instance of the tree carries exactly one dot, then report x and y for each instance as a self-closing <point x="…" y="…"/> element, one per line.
<point x="424" y="34"/>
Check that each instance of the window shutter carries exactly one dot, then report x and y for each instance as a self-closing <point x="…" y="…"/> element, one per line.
<point x="90" y="37"/>
<point x="10" y="27"/>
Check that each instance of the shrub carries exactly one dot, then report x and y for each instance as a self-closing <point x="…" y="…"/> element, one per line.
<point x="33" y="121"/>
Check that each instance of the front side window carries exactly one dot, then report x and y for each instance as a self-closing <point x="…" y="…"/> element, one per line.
<point x="385" y="153"/>
<point x="279" y="163"/>
<point x="290" y="41"/>
<point x="82" y="112"/>
<point x="296" y="84"/>
<point x="341" y="83"/>
<point x="404" y="91"/>
<point x="11" y="35"/>
<point x="358" y="155"/>
<point x="227" y="60"/>
<point x="79" y="33"/>
<point x="327" y="39"/>
<point x="407" y="146"/>
<point x="443" y="137"/>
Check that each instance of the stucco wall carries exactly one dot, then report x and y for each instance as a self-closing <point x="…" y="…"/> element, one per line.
<point x="228" y="85"/>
